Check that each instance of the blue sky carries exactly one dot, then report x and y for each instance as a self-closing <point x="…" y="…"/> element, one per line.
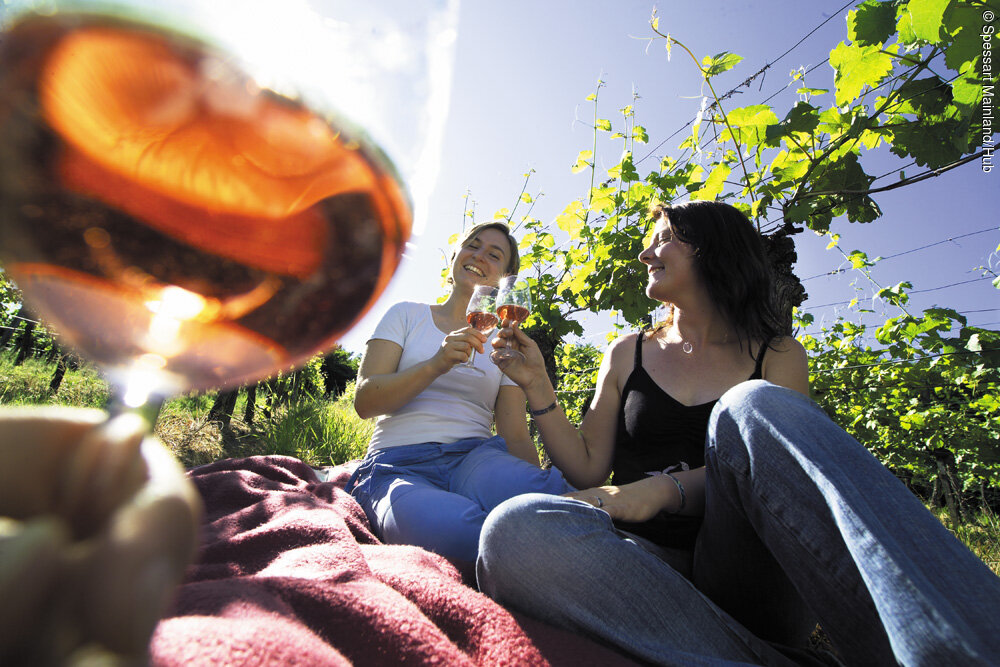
<point x="521" y="75"/>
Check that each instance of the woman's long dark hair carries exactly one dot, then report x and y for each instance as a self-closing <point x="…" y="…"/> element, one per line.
<point x="730" y="260"/>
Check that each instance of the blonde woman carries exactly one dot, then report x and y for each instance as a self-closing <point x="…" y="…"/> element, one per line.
<point x="434" y="468"/>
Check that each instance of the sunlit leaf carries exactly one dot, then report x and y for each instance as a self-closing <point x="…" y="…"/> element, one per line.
<point x="719" y="63"/>
<point x="803" y="117"/>
<point x="927" y="19"/>
<point x="856" y="67"/>
<point x="713" y="184"/>
<point x="583" y="161"/>
<point x="571" y="219"/>
<point x="750" y="123"/>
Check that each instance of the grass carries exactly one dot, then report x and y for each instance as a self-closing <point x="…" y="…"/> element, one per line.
<point x="317" y="430"/>
<point x="28" y="384"/>
<point x="981" y="533"/>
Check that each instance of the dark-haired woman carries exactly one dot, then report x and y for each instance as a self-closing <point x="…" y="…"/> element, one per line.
<point x="434" y="467"/>
<point x="739" y="514"/>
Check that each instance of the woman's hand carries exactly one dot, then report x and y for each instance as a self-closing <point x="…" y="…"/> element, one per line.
<point x="524" y="371"/>
<point x="635" y="502"/>
<point x="457" y="347"/>
<point x="97" y="524"/>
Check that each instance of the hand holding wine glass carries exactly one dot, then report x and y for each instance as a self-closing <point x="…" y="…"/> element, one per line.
<point x="98" y="524"/>
<point x="513" y="306"/>
<point x="481" y="316"/>
<point x="191" y="202"/>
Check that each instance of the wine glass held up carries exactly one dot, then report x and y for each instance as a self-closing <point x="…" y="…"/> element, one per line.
<point x="481" y="315"/>
<point x="188" y="198"/>
<point x="513" y="306"/>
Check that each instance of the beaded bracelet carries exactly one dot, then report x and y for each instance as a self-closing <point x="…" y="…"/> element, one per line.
<point x="538" y="413"/>
<point x="680" y="489"/>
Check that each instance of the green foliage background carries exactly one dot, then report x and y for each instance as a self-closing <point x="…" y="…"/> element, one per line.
<point x="907" y="82"/>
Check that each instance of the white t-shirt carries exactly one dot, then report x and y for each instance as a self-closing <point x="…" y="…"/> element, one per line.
<point x="455" y="406"/>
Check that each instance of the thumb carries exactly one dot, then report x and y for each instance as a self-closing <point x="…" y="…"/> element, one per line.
<point x="142" y="556"/>
<point x="522" y="338"/>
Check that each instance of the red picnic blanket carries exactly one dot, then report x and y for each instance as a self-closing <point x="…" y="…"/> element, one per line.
<point x="289" y="573"/>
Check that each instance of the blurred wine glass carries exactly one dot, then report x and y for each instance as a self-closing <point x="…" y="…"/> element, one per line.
<point x="481" y="315"/>
<point x="514" y="305"/>
<point x="198" y="194"/>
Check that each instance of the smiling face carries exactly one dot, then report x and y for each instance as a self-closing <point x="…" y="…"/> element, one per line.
<point x="482" y="259"/>
<point x="669" y="262"/>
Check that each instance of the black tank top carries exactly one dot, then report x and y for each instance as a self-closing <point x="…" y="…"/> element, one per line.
<point x="656" y="432"/>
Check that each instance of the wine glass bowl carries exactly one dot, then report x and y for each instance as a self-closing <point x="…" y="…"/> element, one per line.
<point x="514" y="306"/>
<point x="179" y="221"/>
<point x="481" y="316"/>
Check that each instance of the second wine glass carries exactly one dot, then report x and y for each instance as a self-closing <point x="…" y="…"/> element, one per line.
<point x="513" y="304"/>
<point x="481" y="314"/>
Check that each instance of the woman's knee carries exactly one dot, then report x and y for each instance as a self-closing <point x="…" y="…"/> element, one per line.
<point x="756" y="397"/>
<point x="515" y="525"/>
<point x="756" y="402"/>
<point x="525" y="539"/>
<point x="746" y="417"/>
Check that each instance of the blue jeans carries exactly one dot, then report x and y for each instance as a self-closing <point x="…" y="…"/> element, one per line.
<point x="801" y="523"/>
<point x="436" y="496"/>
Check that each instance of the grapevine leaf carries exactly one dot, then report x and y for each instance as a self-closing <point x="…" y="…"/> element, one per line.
<point x="751" y="122"/>
<point x="629" y="173"/>
<point x="571" y="219"/>
<point x="604" y="125"/>
<point x="967" y="89"/>
<point x="837" y="189"/>
<point x="639" y="134"/>
<point x="719" y="63"/>
<point x="833" y="122"/>
<point x="845" y="174"/>
<point x="904" y="27"/>
<point x="583" y="160"/>
<point x="931" y="145"/>
<point x="859" y="260"/>
<point x="787" y="167"/>
<point x="927" y="19"/>
<point x="803" y="117"/>
<point x="871" y="23"/>
<point x="929" y="96"/>
<point x="963" y="23"/>
<point x="713" y="184"/>
<point x="856" y="67"/>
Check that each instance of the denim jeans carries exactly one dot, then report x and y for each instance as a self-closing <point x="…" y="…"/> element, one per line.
<point x="801" y="523"/>
<point x="437" y="495"/>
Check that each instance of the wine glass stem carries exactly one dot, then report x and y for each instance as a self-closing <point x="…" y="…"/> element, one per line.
<point x="148" y="409"/>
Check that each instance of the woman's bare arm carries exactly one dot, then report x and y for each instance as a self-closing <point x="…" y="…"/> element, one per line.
<point x="512" y="424"/>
